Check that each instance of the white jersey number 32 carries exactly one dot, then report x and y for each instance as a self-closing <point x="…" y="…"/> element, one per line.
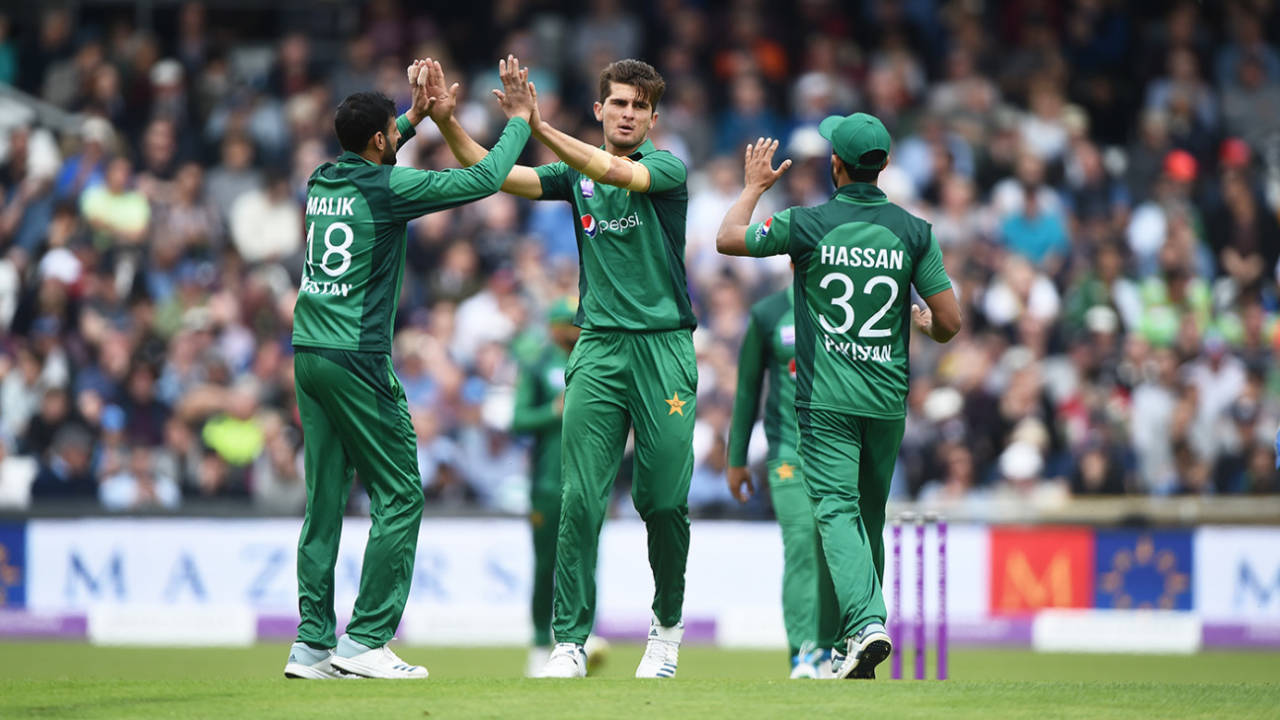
<point x="868" y="329"/>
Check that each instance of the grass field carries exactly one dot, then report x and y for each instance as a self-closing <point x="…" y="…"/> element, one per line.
<point x="55" y="680"/>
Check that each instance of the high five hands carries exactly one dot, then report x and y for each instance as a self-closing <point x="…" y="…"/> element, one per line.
<point x="434" y="97"/>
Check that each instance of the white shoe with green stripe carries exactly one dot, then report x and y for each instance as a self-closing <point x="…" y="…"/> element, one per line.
<point x="662" y="652"/>
<point x="379" y="662"/>
<point x="568" y="660"/>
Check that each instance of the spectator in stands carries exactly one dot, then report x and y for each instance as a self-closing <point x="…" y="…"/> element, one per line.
<point x="265" y="224"/>
<point x="88" y="167"/>
<point x="26" y="198"/>
<point x="1243" y="235"/>
<point x="747" y="117"/>
<point x="1248" y="44"/>
<point x="118" y="215"/>
<point x="1251" y="107"/>
<point x="17" y="473"/>
<point x="139" y="486"/>
<point x="67" y="473"/>
<point x="1111" y="249"/>
<point x="186" y="227"/>
<point x="235" y="175"/>
<point x="278" y="486"/>
<point x="1097" y="472"/>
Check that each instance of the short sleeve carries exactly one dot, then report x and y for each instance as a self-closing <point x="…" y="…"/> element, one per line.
<point x="928" y="275"/>
<point x="555" y="181"/>
<point x="666" y="172"/>
<point x="771" y="237"/>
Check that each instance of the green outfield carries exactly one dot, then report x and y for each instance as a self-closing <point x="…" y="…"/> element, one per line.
<point x="56" y="680"/>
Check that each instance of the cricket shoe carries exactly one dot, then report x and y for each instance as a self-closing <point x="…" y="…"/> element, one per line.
<point x="308" y="663"/>
<point x="379" y="662"/>
<point x="568" y="660"/>
<point x="863" y="651"/>
<point x="804" y="664"/>
<point x="662" y="653"/>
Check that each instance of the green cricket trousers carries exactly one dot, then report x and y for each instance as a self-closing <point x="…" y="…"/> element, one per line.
<point x="848" y="466"/>
<point x="544" y="517"/>
<point x="619" y="380"/>
<point x="809" y="609"/>
<point x="355" y="418"/>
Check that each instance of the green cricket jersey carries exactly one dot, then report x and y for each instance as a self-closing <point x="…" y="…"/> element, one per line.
<point x="630" y="244"/>
<point x="768" y="348"/>
<point x="855" y="257"/>
<point x="355" y="223"/>
<point x="541" y="384"/>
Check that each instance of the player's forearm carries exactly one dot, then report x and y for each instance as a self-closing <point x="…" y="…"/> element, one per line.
<point x="732" y="236"/>
<point x="744" y="418"/>
<point x="746" y="400"/>
<point x="492" y="170"/>
<point x="941" y="334"/>
<point x="465" y="149"/>
<point x="521" y="180"/>
<point x="592" y="161"/>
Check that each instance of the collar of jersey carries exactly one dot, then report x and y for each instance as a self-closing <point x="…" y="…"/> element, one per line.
<point x="861" y="193"/>
<point x="643" y="149"/>
<point x="348" y="156"/>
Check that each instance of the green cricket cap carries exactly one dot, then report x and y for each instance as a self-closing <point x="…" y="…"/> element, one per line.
<point x="563" y="310"/>
<point x="854" y="135"/>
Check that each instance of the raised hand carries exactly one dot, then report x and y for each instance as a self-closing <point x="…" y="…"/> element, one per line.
<point x="760" y="174"/>
<point x="535" y="119"/>
<point x="445" y="95"/>
<point x="422" y="102"/>
<point x="514" y="98"/>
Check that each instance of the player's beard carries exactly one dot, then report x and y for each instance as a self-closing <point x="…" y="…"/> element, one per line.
<point x="630" y="145"/>
<point x="389" y="155"/>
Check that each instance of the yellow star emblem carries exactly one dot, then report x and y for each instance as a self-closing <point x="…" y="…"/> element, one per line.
<point x="786" y="472"/>
<point x="675" y="405"/>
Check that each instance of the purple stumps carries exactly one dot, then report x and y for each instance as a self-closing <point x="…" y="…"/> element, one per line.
<point x="895" y="613"/>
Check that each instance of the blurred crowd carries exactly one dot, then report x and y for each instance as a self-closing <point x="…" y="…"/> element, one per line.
<point x="1102" y="175"/>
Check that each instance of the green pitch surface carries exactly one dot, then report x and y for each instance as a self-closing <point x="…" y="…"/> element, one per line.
<point x="53" y="680"/>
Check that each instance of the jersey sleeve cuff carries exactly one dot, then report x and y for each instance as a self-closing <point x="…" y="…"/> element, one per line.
<point x="406" y="128"/>
<point x="934" y="289"/>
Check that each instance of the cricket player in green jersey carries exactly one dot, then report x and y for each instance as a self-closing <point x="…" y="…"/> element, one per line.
<point x="809" y="607"/>
<point x="353" y="409"/>
<point x="539" y="409"/>
<point x="634" y="365"/>
<point x="856" y="259"/>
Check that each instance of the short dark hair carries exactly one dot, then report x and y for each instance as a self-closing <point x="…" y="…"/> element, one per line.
<point x="633" y="72"/>
<point x="873" y="162"/>
<point x="360" y="117"/>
